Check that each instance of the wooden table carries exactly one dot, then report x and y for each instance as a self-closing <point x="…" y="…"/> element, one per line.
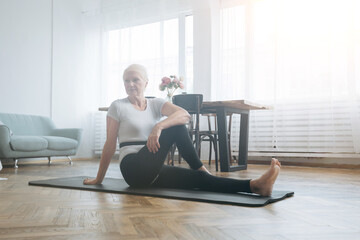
<point x="222" y="109"/>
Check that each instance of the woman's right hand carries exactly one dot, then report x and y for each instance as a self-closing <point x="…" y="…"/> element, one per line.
<point x="153" y="140"/>
<point x="91" y="181"/>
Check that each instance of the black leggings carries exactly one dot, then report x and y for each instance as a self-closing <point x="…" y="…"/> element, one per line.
<point x="144" y="169"/>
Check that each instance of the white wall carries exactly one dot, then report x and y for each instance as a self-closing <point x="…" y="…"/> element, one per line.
<point x="49" y="62"/>
<point x="205" y="40"/>
<point x="25" y="56"/>
<point x="76" y="68"/>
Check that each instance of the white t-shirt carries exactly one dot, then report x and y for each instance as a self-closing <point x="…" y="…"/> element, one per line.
<point x="135" y="125"/>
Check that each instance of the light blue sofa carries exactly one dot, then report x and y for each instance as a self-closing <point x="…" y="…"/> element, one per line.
<point x="30" y="136"/>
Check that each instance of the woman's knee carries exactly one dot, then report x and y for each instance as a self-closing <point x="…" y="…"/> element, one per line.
<point x="180" y="128"/>
<point x="174" y="130"/>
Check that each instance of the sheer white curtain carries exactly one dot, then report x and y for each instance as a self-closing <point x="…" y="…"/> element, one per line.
<point x="148" y="33"/>
<point x="157" y="34"/>
<point x="303" y="57"/>
<point x="153" y="45"/>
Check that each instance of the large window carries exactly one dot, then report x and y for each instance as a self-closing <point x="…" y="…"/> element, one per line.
<point x="290" y="50"/>
<point x="302" y="57"/>
<point x="158" y="46"/>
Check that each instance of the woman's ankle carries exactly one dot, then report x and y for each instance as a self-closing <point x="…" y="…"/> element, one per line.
<point x="253" y="186"/>
<point x="203" y="168"/>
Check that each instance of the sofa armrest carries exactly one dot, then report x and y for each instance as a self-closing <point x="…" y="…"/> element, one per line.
<point x="73" y="133"/>
<point x="4" y="141"/>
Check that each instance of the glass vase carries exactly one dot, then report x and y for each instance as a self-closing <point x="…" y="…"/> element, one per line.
<point x="169" y="98"/>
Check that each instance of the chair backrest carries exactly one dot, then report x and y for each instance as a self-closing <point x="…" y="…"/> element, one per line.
<point x="190" y="102"/>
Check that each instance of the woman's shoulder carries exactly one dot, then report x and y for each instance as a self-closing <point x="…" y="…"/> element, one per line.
<point x="156" y="106"/>
<point x="157" y="100"/>
<point x="119" y="101"/>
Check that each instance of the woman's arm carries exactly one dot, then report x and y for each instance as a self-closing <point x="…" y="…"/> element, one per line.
<point x="112" y="128"/>
<point x="175" y="116"/>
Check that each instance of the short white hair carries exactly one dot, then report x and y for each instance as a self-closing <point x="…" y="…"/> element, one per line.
<point x="139" y="69"/>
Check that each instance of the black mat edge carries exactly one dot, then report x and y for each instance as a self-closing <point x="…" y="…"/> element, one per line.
<point x="134" y="192"/>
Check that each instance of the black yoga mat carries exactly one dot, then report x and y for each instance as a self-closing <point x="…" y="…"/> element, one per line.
<point x="114" y="185"/>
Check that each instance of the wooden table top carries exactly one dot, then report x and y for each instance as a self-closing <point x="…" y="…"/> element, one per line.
<point x="239" y="104"/>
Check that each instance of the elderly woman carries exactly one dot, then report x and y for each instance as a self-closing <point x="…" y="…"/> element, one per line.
<point x="145" y="141"/>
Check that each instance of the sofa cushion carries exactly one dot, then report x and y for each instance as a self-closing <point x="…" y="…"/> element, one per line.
<point x="60" y="143"/>
<point x="28" y="143"/>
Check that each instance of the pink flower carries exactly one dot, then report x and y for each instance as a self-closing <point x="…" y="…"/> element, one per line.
<point x="171" y="83"/>
<point x="165" y="80"/>
<point x="162" y="87"/>
<point x="176" y="80"/>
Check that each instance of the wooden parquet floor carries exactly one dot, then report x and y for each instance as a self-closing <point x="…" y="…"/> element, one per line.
<point x="326" y="205"/>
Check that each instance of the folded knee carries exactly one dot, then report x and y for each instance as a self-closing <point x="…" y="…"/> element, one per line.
<point x="175" y="129"/>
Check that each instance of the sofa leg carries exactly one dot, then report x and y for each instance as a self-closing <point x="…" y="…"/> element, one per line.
<point x="70" y="160"/>
<point x="49" y="158"/>
<point x="16" y="163"/>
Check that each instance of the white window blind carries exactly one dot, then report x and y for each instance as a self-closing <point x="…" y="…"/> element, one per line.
<point x="292" y="129"/>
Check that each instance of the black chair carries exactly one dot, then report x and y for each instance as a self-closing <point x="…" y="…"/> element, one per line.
<point x="212" y="134"/>
<point x="193" y="103"/>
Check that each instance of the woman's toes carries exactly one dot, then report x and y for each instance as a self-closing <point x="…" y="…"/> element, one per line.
<point x="273" y="161"/>
<point x="276" y="161"/>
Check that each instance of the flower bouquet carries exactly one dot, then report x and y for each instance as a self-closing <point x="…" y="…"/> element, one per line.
<point x="171" y="84"/>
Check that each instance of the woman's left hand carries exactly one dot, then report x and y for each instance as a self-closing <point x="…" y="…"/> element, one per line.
<point x="153" y="141"/>
<point x="91" y="181"/>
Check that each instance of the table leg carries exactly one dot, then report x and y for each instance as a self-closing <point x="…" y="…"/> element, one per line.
<point x="225" y="155"/>
<point x="223" y="140"/>
<point x="243" y="140"/>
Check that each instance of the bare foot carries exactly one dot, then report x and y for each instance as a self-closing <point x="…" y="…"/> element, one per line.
<point x="264" y="184"/>
<point x="203" y="168"/>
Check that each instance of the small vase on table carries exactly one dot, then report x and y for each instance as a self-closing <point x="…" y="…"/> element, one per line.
<point x="171" y="84"/>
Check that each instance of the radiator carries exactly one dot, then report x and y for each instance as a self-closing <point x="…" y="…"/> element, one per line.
<point x="100" y="133"/>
